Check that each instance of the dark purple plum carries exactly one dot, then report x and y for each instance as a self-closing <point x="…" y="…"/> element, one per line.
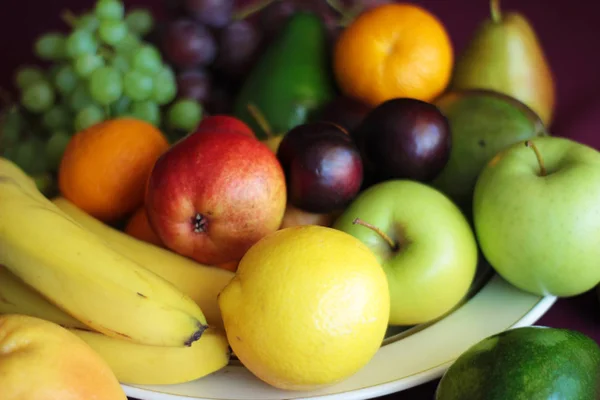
<point x="194" y="84"/>
<point x="211" y="13"/>
<point x="322" y="165"/>
<point x="239" y="45"/>
<point x="345" y="112"/>
<point x="188" y="44"/>
<point x="404" y="138"/>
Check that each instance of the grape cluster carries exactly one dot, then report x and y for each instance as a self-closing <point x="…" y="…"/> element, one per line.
<point x="213" y="44"/>
<point x="101" y="68"/>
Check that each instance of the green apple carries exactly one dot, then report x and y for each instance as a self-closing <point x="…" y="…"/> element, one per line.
<point x="423" y="242"/>
<point x="536" y="212"/>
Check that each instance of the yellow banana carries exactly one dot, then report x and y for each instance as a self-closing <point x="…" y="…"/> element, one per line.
<point x="18" y="298"/>
<point x="200" y="282"/>
<point x="132" y="363"/>
<point x="76" y="270"/>
<point x="138" y="364"/>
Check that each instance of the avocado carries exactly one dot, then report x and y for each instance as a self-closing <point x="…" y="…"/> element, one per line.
<point x="529" y="363"/>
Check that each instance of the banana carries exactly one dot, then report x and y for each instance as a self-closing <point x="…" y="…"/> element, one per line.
<point x="200" y="282"/>
<point x="18" y="298"/>
<point x="139" y="364"/>
<point x="77" y="271"/>
<point x="132" y="363"/>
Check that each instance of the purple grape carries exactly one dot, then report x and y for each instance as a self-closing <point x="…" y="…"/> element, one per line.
<point x="274" y="16"/>
<point x="212" y="13"/>
<point x="239" y="46"/>
<point x="188" y="44"/>
<point x="194" y="84"/>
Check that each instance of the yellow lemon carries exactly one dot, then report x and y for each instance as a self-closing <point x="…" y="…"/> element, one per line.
<point x="308" y="307"/>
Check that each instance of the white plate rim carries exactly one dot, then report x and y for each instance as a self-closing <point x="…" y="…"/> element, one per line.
<point x="500" y="304"/>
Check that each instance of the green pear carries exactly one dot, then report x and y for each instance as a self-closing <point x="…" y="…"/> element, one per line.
<point x="482" y="123"/>
<point x="505" y="55"/>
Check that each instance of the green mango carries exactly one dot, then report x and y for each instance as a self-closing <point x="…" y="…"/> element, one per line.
<point x="482" y="122"/>
<point x="291" y="81"/>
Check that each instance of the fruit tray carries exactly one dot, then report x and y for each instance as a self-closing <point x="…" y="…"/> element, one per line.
<point x="408" y="356"/>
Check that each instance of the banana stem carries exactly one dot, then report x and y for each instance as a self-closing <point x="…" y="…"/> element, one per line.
<point x="538" y="155"/>
<point x="495" y="11"/>
<point x="260" y="120"/>
<point x="381" y="233"/>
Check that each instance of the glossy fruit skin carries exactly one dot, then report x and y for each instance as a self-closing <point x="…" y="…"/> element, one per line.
<point x="404" y="138"/>
<point x="214" y="194"/>
<point x="291" y="80"/>
<point x="323" y="167"/>
<point x="224" y="123"/>
<point x="528" y="363"/>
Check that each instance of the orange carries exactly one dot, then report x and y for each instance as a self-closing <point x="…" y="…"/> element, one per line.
<point x="139" y="227"/>
<point x="105" y="168"/>
<point x="394" y="50"/>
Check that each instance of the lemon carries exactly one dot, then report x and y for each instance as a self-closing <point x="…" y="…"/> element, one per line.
<point x="308" y="307"/>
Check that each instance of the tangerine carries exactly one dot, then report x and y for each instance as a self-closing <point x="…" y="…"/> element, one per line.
<point x="105" y="168"/>
<point x="393" y="50"/>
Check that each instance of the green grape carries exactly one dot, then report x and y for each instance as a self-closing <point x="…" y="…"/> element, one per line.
<point x="28" y="75"/>
<point x="128" y="44"/>
<point x="30" y="155"/>
<point x="105" y="85"/>
<point x="80" y="42"/>
<point x="165" y="86"/>
<point x="50" y="46"/>
<point x="184" y="114"/>
<point x="12" y="124"/>
<point x="121" y="106"/>
<point x="38" y="97"/>
<point x="87" y="63"/>
<point x="112" y="31"/>
<point x="87" y="117"/>
<point x="146" y="111"/>
<point x="80" y="98"/>
<point x="137" y="86"/>
<point x="139" y="21"/>
<point x="120" y="63"/>
<point x="147" y="59"/>
<point x="109" y="9"/>
<point x="66" y="80"/>
<point x="55" y="148"/>
<point x="57" y="117"/>
<point x="88" y="22"/>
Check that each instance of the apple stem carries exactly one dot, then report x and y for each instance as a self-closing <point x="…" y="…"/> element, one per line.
<point x="381" y="233"/>
<point x="538" y="155"/>
<point x="260" y="120"/>
<point x="495" y="11"/>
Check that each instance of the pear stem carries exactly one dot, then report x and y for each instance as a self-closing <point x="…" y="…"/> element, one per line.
<point x="495" y="11"/>
<point x="260" y="120"/>
<point x="538" y="155"/>
<point x="381" y="233"/>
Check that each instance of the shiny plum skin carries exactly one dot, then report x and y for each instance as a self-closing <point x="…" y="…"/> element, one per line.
<point x="404" y="138"/>
<point x="322" y="165"/>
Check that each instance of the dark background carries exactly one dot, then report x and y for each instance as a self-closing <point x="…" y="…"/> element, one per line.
<point x="570" y="35"/>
